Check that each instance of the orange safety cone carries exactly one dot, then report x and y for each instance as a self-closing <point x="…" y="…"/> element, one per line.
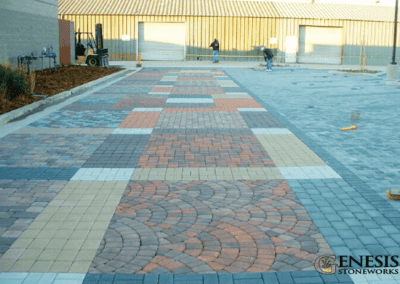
<point x="353" y="127"/>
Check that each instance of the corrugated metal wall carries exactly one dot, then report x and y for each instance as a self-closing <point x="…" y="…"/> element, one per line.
<point x="241" y="37"/>
<point x="377" y="37"/>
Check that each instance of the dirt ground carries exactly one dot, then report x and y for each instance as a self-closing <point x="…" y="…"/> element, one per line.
<point x="54" y="81"/>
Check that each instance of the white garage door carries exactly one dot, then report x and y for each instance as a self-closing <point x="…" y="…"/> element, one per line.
<point x="162" y="41"/>
<point x="320" y="45"/>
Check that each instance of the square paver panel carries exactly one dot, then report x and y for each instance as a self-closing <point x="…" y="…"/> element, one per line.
<point x="141" y="119"/>
<point x="200" y="120"/>
<point x="141" y="100"/>
<point x="261" y="119"/>
<point x="204" y="150"/>
<point x="21" y="202"/>
<point x="45" y="150"/>
<point x="118" y="151"/>
<point x="233" y="104"/>
<point x="82" y="119"/>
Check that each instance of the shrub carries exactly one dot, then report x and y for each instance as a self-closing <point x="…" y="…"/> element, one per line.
<point x="12" y="82"/>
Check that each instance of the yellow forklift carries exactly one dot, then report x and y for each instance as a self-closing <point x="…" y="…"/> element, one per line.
<point x="93" y="54"/>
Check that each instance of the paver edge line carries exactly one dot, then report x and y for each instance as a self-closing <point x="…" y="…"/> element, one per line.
<point x="331" y="161"/>
<point x="5" y="118"/>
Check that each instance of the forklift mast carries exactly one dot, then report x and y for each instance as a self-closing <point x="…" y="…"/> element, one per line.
<point x="99" y="36"/>
<point x="99" y="41"/>
<point x="97" y="54"/>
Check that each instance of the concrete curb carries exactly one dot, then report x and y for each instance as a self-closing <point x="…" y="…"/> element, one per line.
<point x="4" y="118"/>
<point x="354" y="74"/>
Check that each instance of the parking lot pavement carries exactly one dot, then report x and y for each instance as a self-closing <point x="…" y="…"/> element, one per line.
<point x="184" y="175"/>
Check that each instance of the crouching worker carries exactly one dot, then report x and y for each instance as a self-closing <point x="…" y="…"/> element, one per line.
<point x="268" y="55"/>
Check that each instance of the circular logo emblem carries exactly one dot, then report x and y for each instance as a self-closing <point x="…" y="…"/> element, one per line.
<point x="326" y="264"/>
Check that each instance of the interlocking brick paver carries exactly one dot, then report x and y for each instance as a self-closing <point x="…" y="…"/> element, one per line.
<point x="140" y="119"/>
<point x="225" y="238"/>
<point x="288" y="151"/>
<point x="233" y="104"/>
<point x="118" y="151"/>
<point x="203" y="151"/>
<point x="142" y="101"/>
<point x="133" y="131"/>
<point x="47" y="150"/>
<point x="219" y="182"/>
<point x="56" y="259"/>
<point x="198" y="120"/>
<point x="84" y="119"/>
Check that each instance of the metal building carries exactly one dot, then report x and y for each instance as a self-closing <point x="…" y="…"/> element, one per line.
<point x="184" y="29"/>
<point x="28" y="26"/>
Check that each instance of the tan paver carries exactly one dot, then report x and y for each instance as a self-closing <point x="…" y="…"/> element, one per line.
<point x="68" y="231"/>
<point x="232" y="96"/>
<point x="175" y="174"/>
<point x="289" y="151"/>
<point x="227" y="83"/>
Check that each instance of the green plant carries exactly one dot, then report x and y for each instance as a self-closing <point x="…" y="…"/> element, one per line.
<point x="12" y="82"/>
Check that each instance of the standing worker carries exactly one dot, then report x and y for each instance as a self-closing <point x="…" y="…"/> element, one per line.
<point x="268" y="55"/>
<point x="215" y="47"/>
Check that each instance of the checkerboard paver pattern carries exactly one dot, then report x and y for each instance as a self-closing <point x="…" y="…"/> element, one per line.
<point x="161" y="175"/>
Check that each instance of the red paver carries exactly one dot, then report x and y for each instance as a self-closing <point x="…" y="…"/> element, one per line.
<point x="209" y="151"/>
<point x="161" y="89"/>
<point x="142" y="119"/>
<point x="190" y="231"/>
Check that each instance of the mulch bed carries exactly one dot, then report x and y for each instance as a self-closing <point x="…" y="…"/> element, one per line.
<point x="55" y="81"/>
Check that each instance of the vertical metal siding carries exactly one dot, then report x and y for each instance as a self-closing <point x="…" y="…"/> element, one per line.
<point x="240" y="37"/>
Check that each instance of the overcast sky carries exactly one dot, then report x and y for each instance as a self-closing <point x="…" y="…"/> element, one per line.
<point x="368" y="2"/>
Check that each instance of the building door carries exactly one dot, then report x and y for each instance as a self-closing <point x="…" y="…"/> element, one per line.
<point x="320" y="45"/>
<point x="162" y="41"/>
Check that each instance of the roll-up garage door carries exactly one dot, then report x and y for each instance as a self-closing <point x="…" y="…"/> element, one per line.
<point x="320" y="45"/>
<point x="162" y="41"/>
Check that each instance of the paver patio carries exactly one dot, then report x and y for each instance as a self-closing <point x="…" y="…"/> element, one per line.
<point x="176" y="176"/>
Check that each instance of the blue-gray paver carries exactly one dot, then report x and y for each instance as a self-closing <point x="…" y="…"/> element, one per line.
<point x="210" y="279"/>
<point x="150" y="279"/>
<point x="285" y="278"/>
<point x="166" y="278"/>
<point x="358" y="200"/>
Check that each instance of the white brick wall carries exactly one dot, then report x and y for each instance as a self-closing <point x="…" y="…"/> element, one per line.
<point x="27" y="26"/>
